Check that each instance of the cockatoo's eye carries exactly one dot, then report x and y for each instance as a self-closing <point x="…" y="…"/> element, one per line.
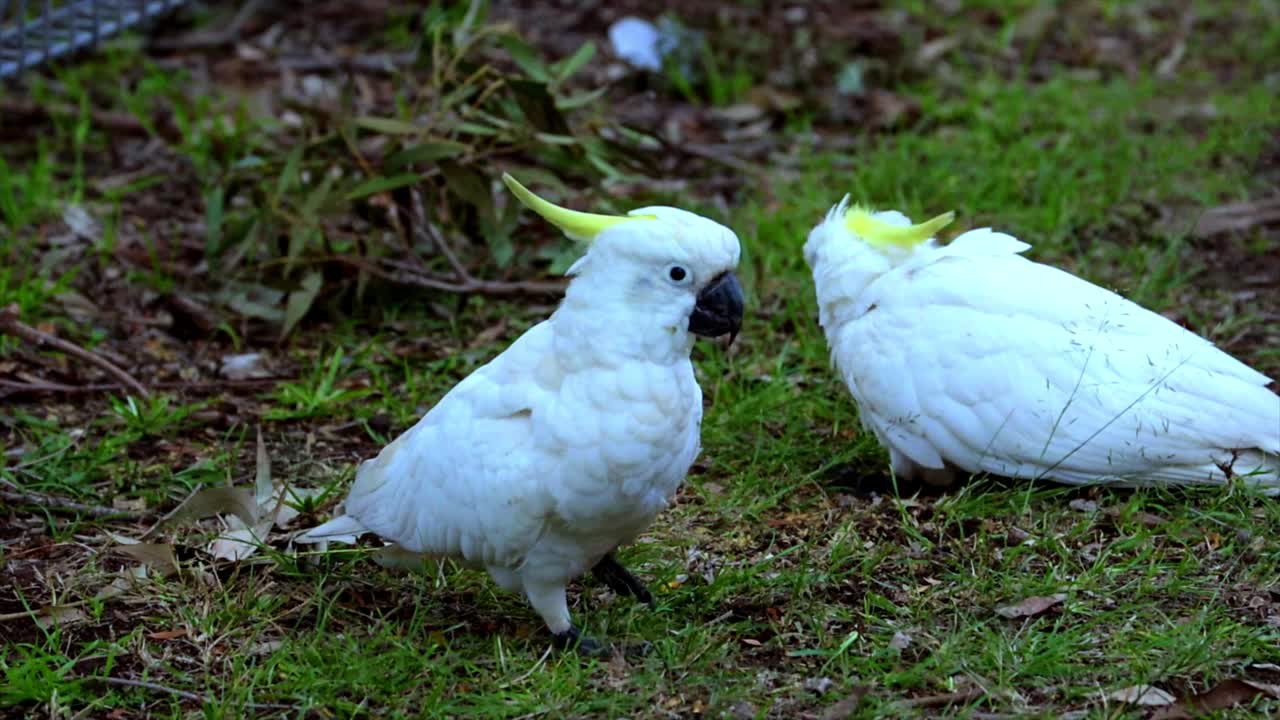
<point x="679" y="275"/>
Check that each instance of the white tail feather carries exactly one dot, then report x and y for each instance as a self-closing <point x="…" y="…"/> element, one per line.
<point x="343" y="529"/>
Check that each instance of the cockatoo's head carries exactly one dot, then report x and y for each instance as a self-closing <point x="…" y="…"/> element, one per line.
<point x="853" y="245"/>
<point x="668" y="265"/>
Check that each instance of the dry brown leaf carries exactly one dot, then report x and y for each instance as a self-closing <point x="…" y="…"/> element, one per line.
<point x="1031" y="606"/>
<point x="168" y="634"/>
<point x="136" y="505"/>
<point x="1237" y="217"/>
<point x="1226" y="694"/>
<point x="60" y="615"/>
<point x="1147" y="695"/>
<point x="159" y="556"/>
<point x="489" y="334"/>
<point x="218" y="501"/>
<point x="263" y="488"/>
<point x="959" y="697"/>
<point x="847" y="706"/>
<point x="123" y="581"/>
<point x="265" y="647"/>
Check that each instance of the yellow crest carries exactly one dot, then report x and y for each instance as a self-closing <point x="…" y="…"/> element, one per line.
<point x="880" y="233"/>
<point x="579" y="226"/>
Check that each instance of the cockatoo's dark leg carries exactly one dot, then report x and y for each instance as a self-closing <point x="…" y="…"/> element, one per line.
<point x="610" y="572"/>
<point x="548" y="598"/>
<point x="573" y="639"/>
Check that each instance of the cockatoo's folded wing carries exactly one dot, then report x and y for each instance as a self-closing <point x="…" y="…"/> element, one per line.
<point x="1002" y="365"/>
<point x="470" y="478"/>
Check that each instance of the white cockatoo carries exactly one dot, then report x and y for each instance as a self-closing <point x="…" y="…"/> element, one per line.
<point x="968" y="357"/>
<point x="567" y="444"/>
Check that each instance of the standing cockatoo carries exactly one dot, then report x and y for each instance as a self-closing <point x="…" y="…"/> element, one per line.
<point x="568" y="444"/>
<point x="970" y="357"/>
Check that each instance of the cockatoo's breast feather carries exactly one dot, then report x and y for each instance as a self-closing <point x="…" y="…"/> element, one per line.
<point x="973" y="355"/>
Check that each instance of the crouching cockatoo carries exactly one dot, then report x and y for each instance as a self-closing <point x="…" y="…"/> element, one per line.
<point x="568" y="444"/>
<point x="969" y="357"/>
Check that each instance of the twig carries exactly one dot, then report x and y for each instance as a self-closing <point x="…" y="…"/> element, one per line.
<point x="10" y="323"/>
<point x="211" y="39"/>
<point x="718" y="154"/>
<point x="423" y="228"/>
<point x="9" y="387"/>
<point x="38" y="613"/>
<point x="184" y="694"/>
<point x="57" y="504"/>
<point x="376" y="63"/>
<point x="943" y="699"/>
<point x="15" y="110"/>
<point x="472" y="286"/>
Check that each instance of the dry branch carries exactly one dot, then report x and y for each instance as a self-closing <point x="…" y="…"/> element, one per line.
<point x="184" y="694"/>
<point x="57" y="504"/>
<point x="10" y="387"/>
<point x="9" y="323"/>
<point x="466" y="286"/>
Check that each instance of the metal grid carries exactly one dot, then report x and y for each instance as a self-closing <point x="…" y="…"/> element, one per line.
<point x="33" y="32"/>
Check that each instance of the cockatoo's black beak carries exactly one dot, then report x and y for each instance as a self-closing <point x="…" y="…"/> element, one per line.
<point x="719" y="308"/>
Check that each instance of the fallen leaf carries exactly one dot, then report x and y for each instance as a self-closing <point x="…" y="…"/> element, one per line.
<point x="1141" y="695"/>
<point x="263" y="489"/>
<point x="1237" y="217"/>
<point x="266" y="647"/>
<point x="136" y="505"/>
<point x="78" y="306"/>
<point x="159" y="556"/>
<point x="943" y="699"/>
<point x="60" y="615"/>
<point x="932" y="51"/>
<point x="121" y="539"/>
<point x="168" y="634"/>
<point x="124" y="581"/>
<point x="1226" y="694"/>
<point x="818" y="685"/>
<point x="238" y="541"/>
<point x="888" y="109"/>
<point x="489" y="334"/>
<point x="82" y="223"/>
<point x="245" y="365"/>
<point x="847" y="705"/>
<point x="1031" y="606"/>
<point x="300" y="300"/>
<point x="218" y="501"/>
<point x="1148" y="519"/>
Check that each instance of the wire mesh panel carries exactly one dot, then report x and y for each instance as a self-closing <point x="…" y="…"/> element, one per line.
<point x="33" y="32"/>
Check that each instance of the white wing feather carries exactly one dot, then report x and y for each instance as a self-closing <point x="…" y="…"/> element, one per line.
<point x="468" y="479"/>
<point x="979" y="357"/>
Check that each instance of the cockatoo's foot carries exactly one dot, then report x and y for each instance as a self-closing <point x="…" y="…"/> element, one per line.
<point x="585" y="645"/>
<point x="620" y="580"/>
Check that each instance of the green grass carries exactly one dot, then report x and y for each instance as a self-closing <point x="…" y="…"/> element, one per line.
<point x="789" y="558"/>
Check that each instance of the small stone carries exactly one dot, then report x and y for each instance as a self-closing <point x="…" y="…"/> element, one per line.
<point x="1083" y="505"/>
<point x="818" y="685"/>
